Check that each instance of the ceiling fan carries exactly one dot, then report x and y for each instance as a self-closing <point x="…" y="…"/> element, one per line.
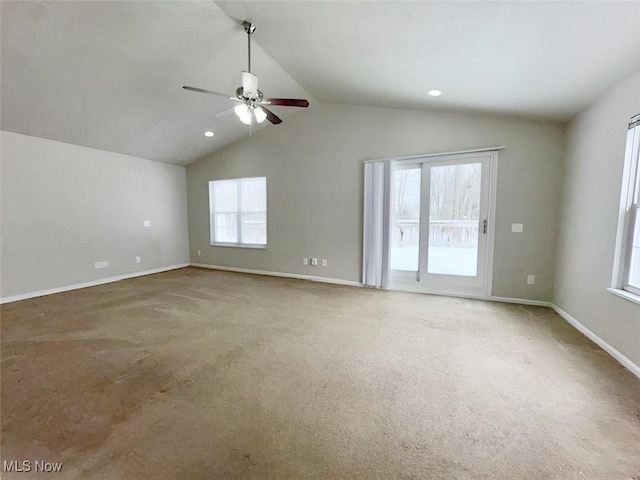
<point x="251" y="108"/>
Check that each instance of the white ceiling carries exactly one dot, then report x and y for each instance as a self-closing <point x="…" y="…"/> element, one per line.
<point x="534" y="58"/>
<point x="108" y="74"/>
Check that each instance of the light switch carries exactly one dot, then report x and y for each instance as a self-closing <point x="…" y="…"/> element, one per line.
<point x="147" y="223"/>
<point x="516" y="228"/>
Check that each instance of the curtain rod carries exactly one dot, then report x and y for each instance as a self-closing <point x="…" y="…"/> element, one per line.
<point x="459" y="152"/>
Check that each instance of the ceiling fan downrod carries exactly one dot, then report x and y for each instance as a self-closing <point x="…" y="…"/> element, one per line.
<point x="249" y="28"/>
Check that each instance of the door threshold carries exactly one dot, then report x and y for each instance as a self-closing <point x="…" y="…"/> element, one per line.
<point x="466" y="293"/>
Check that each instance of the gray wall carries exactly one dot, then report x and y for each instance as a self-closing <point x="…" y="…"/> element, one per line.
<point x="591" y="198"/>
<point x="65" y="207"/>
<point x="314" y="170"/>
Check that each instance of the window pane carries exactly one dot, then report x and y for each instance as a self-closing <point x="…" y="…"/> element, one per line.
<point x="454" y="216"/>
<point x="253" y="195"/>
<point x="225" y="196"/>
<point x="405" y="221"/>
<point x="634" y="267"/>
<point x="630" y="264"/>
<point x="239" y="211"/>
<point x="254" y="228"/>
<point x="226" y="227"/>
<point x="635" y="153"/>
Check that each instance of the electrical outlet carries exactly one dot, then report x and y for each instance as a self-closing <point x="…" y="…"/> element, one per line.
<point x="516" y="228"/>
<point x="199" y="252"/>
<point x="305" y="261"/>
<point x="101" y="264"/>
<point x="531" y="279"/>
<point x="314" y="262"/>
<point x="324" y="262"/>
<point x="147" y="223"/>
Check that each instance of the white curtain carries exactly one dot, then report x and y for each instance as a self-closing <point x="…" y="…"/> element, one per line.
<point x="375" y="264"/>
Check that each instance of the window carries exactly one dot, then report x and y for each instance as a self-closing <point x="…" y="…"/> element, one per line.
<point x="627" y="266"/>
<point x="238" y="210"/>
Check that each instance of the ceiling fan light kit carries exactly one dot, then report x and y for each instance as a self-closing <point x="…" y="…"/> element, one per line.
<point x="251" y="108"/>
<point x="247" y="115"/>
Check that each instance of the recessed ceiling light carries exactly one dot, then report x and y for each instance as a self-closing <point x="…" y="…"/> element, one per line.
<point x="209" y="134"/>
<point x="434" y="93"/>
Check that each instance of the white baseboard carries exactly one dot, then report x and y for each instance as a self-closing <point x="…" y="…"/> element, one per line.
<point x="298" y="276"/>
<point x="624" y="361"/>
<point x="521" y="301"/>
<point x="93" y="283"/>
<point x="349" y="283"/>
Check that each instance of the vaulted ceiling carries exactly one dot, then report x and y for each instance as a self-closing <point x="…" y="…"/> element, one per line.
<point x="108" y="75"/>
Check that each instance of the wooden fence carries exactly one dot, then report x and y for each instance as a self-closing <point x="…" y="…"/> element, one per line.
<point x="442" y="233"/>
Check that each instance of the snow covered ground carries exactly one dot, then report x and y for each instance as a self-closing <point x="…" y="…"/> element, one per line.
<point x="442" y="260"/>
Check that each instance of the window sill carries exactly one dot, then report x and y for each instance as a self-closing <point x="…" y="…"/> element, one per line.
<point x="626" y="295"/>
<point x="240" y="245"/>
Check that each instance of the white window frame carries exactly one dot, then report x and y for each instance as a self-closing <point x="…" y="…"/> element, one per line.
<point x="629" y="214"/>
<point x="238" y="213"/>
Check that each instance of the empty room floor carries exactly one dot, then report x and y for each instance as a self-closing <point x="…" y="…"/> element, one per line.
<point x="199" y="374"/>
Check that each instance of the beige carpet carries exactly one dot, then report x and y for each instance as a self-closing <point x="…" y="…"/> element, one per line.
<point x="197" y="374"/>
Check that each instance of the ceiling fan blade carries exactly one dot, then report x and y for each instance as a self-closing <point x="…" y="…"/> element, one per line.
<point x="286" y="102"/>
<point x="249" y="84"/>
<point x="210" y="92"/>
<point x="224" y="112"/>
<point x="272" y="117"/>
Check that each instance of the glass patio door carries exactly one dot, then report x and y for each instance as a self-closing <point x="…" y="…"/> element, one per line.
<point x="404" y="251"/>
<point x="439" y="224"/>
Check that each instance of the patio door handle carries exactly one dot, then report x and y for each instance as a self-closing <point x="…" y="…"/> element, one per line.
<point x="484" y="226"/>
